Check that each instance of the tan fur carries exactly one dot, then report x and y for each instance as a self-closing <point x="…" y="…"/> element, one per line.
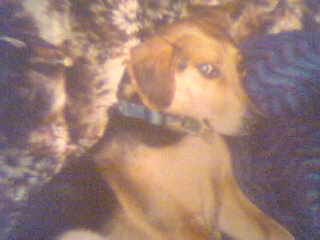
<point x="164" y="85"/>
<point x="180" y="191"/>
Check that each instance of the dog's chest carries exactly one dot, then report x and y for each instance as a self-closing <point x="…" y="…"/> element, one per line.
<point x="178" y="180"/>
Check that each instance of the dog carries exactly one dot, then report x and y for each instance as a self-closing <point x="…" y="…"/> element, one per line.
<point x="190" y="68"/>
<point x="171" y="185"/>
<point x="182" y="188"/>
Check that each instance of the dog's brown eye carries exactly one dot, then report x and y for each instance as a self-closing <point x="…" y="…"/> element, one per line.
<point x="208" y="70"/>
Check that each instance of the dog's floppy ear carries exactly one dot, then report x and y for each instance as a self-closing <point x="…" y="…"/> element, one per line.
<point x="151" y="73"/>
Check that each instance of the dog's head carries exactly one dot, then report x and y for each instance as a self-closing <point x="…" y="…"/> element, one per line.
<point x="190" y="68"/>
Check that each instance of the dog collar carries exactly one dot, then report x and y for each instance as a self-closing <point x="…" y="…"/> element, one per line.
<point x="179" y="123"/>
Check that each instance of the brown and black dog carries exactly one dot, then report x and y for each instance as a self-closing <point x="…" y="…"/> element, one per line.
<point x="190" y="68"/>
<point x="183" y="189"/>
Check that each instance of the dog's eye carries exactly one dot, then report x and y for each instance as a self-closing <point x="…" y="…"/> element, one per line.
<point x="208" y="70"/>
